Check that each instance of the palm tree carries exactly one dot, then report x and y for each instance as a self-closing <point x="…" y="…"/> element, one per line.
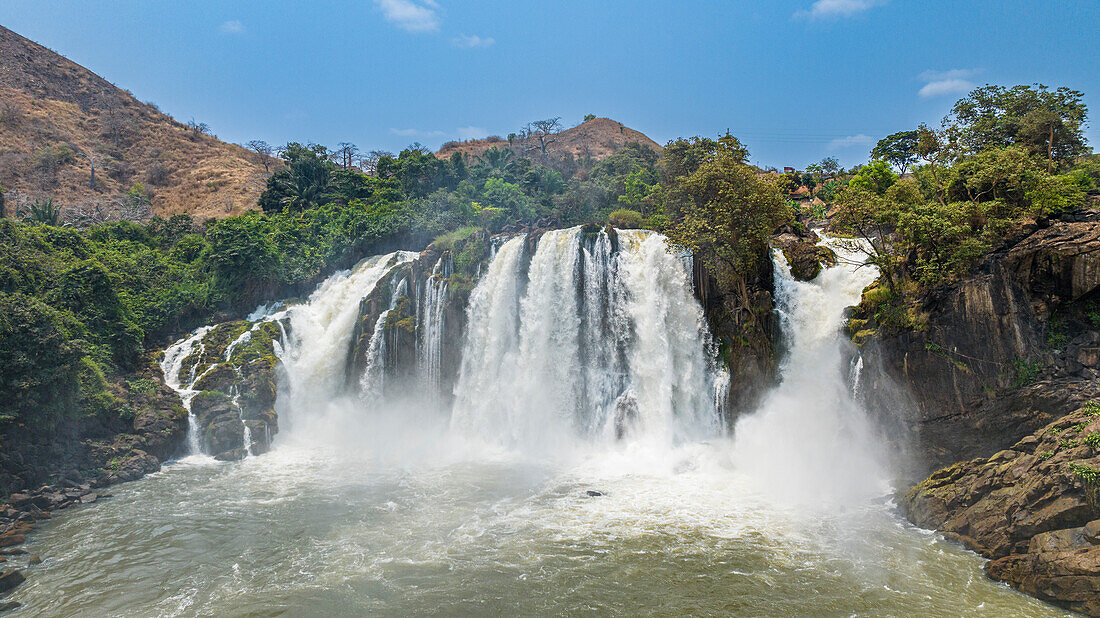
<point x="306" y="184"/>
<point x="43" y="211"/>
<point x="497" y="159"/>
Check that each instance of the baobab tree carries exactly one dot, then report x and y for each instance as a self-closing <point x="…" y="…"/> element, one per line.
<point x="345" y="154"/>
<point x="263" y="150"/>
<point x="542" y="132"/>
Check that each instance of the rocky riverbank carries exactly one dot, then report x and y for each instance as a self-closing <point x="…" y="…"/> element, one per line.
<point x="1003" y="369"/>
<point x="76" y="471"/>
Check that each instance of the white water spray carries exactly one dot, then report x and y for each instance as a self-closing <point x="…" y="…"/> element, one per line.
<point x="585" y="342"/>
<point x="811" y="442"/>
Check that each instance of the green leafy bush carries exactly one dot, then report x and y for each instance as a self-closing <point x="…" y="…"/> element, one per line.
<point x="625" y="218"/>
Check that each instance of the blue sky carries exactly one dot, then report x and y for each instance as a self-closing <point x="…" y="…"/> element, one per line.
<point x="796" y="80"/>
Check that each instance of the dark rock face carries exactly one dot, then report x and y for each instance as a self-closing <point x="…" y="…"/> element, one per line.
<point x="1005" y="377"/>
<point x="982" y="368"/>
<point x="97" y="448"/>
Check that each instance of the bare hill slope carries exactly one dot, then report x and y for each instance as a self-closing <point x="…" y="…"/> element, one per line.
<point x="596" y="138"/>
<point x="58" y="120"/>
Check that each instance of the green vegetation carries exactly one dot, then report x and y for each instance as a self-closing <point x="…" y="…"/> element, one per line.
<point x="1004" y="157"/>
<point x="625" y="218"/>
<point x="1025" y="372"/>
<point x="1087" y="474"/>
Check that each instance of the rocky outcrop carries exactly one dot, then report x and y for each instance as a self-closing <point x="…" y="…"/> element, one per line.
<point x="997" y="355"/>
<point x="1004" y="372"/>
<point x="239" y="372"/>
<point x="805" y="257"/>
<point x="1031" y="508"/>
<point x="99" y="449"/>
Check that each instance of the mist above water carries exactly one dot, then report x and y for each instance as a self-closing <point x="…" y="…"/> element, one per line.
<point x="586" y="367"/>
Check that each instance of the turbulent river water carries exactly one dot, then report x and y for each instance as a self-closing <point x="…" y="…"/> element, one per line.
<point x="586" y="370"/>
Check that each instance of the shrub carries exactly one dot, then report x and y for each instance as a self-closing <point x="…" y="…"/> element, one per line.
<point x="1025" y="372"/>
<point x="40" y="363"/>
<point x="625" y="218"/>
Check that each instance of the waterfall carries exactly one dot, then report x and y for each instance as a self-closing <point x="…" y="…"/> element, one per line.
<point x="371" y="382"/>
<point x="429" y="327"/>
<point x="315" y="354"/>
<point x="585" y="342"/>
<point x="171" y="366"/>
<point x="810" y="441"/>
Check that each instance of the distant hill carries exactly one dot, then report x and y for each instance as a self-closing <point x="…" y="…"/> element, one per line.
<point x="58" y="118"/>
<point x="596" y="138"/>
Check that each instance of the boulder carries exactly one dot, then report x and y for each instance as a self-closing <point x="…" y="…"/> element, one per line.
<point x="10" y="579"/>
<point x="804" y="256"/>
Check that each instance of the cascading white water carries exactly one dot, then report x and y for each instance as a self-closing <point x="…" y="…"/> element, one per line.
<point x="429" y="328"/>
<point x="810" y="441"/>
<point x="315" y="357"/>
<point x="601" y="344"/>
<point x="170" y="366"/>
<point x="370" y="383"/>
<point x="392" y="513"/>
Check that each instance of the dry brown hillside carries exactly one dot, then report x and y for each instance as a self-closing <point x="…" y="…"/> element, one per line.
<point x="57" y="119"/>
<point x="596" y="138"/>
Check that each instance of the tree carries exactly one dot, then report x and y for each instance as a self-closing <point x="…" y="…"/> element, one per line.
<point x="830" y="167"/>
<point x="3" y="208"/>
<point x="898" y="149"/>
<point x="345" y="154"/>
<point x="542" y="131"/>
<point x="369" y="162"/>
<point x="1049" y="123"/>
<point x="876" y="177"/>
<point x="263" y="150"/>
<point x="589" y="117"/>
<point x="727" y="213"/>
<point x="303" y="183"/>
<point x="496" y="159"/>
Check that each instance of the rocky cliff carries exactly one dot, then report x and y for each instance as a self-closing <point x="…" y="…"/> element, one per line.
<point x="1004" y="372"/>
<point x="999" y="354"/>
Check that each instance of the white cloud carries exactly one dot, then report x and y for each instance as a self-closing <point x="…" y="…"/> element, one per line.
<point x="850" y="141"/>
<point x="472" y="41"/>
<point x="233" y="26"/>
<point x="416" y="133"/>
<point x="838" y="8"/>
<point x="411" y="15"/>
<point x="471" y="132"/>
<point x="939" y="83"/>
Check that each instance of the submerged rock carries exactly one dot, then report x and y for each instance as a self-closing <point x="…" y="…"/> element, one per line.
<point x="592" y="493"/>
<point x="10" y="579"/>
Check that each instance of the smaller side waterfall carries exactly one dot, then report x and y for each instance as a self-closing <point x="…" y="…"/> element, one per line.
<point x="172" y="365"/>
<point x="315" y="357"/>
<point x="811" y="442"/>
<point x="430" y="323"/>
<point x="371" y="382"/>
